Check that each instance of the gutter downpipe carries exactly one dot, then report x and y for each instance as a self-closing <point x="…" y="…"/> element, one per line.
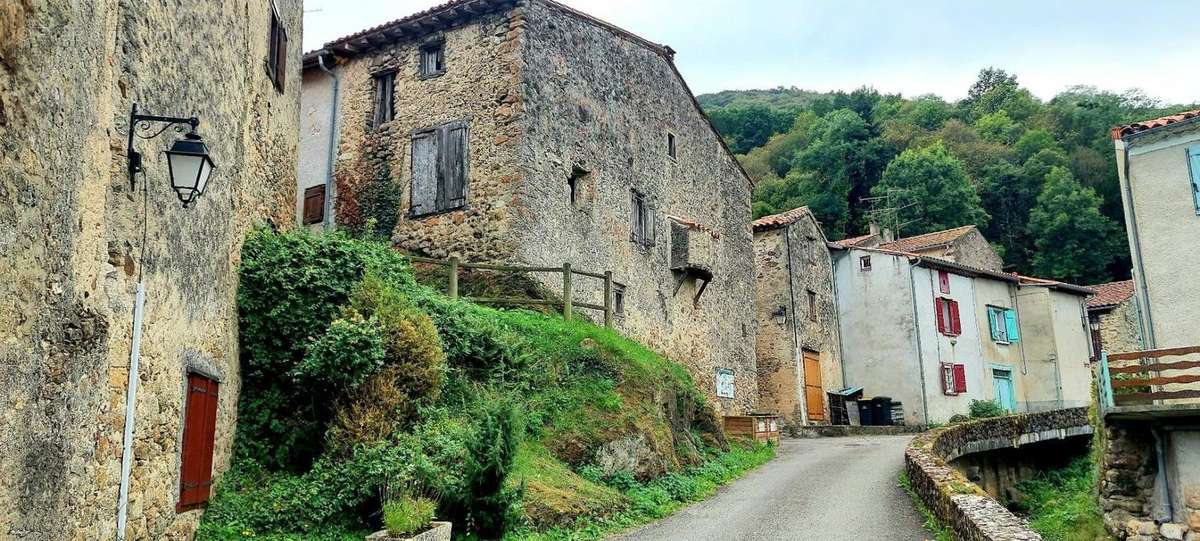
<point x="329" y="184"/>
<point x="1137" y="248"/>
<point x="796" y="358"/>
<point x="135" y="353"/>
<point x="1162" y="480"/>
<point x="912" y="291"/>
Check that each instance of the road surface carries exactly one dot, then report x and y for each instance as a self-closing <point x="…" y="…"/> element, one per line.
<point x="814" y="489"/>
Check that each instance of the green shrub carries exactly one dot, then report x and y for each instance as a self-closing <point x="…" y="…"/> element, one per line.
<point x="981" y="409"/>
<point x="485" y="505"/>
<point x="1061" y="504"/>
<point x="408" y="515"/>
<point x="350" y="351"/>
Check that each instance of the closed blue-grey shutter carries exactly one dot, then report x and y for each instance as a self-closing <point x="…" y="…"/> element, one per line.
<point x="424" y="173"/>
<point x="454" y="166"/>
<point x="1194" y="167"/>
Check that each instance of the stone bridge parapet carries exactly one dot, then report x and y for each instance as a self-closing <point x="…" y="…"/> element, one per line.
<point x="958" y="503"/>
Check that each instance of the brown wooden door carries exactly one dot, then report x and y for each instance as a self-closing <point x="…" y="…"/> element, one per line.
<point x="200" y="418"/>
<point x="814" y="392"/>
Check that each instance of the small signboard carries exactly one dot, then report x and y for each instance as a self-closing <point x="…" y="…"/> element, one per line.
<point x="725" y="383"/>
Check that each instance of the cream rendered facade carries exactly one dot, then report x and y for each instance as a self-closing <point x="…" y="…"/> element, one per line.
<point x="1162" y="211"/>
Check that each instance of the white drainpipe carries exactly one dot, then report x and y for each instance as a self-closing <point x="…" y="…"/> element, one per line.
<point x="139" y="304"/>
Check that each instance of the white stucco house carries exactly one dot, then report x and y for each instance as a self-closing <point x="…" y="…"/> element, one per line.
<point x="935" y="334"/>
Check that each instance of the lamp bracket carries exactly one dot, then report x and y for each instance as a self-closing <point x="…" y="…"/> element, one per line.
<point x="140" y="125"/>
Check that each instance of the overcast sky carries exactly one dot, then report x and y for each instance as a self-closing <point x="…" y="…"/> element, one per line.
<point x="908" y="46"/>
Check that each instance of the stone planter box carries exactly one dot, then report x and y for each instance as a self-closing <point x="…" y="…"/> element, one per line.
<point x="438" y="531"/>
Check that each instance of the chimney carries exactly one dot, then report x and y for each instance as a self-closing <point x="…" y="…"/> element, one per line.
<point x="874" y="229"/>
<point x="888" y="236"/>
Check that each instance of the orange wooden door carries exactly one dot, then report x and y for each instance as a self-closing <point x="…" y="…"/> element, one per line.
<point x="814" y="392"/>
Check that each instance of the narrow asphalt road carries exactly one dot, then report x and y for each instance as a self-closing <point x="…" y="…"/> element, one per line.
<point x="814" y="489"/>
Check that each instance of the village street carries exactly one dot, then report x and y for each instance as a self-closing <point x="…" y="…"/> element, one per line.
<point x="815" y="489"/>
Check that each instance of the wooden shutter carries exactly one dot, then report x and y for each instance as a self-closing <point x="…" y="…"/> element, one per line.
<point x="423" y="196"/>
<point x="651" y="221"/>
<point x="281" y="60"/>
<point x="1194" y="168"/>
<point x="453" y="153"/>
<point x="196" y="455"/>
<point x="939" y="307"/>
<point x="635" y="217"/>
<point x="992" y="316"/>
<point x="947" y="373"/>
<point x="944" y="281"/>
<point x="960" y="379"/>
<point x="314" y="205"/>
<point x="1010" y="325"/>
<point x="955" y="322"/>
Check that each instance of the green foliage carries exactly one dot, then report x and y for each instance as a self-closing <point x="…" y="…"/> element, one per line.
<point x="485" y="504"/>
<point x="982" y="409"/>
<point x="936" y="185"/>
<point x="348" y="353"/>
<point x="998" y="127"/>
<point x="408" y="515"/>
<point x="751" y="126"/>
<point x="940" y="531"/>
<point x="1074" y="241"/>
<point x="1062" y="505"/>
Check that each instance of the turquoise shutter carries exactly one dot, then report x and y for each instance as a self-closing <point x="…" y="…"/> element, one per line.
<point x="992" y="323"/>
<point x="1194" y="167"/>
<point x="1010" y="321"/>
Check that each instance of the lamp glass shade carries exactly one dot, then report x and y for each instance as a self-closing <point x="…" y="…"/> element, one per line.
<point x="190" y="167"/>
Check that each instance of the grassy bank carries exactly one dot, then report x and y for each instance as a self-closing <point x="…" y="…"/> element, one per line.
<point x="1061" y="504"/>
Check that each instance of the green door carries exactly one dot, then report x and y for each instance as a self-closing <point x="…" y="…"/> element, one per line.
<point x="1003" y="386"/>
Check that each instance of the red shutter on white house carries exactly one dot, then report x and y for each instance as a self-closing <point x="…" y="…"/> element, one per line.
<point x="960" y="379"/>
<point x="939" y="307"/>
<point x="955" y="322"/>
<point x="944" y="281"/>
<point x="199" y="428"/>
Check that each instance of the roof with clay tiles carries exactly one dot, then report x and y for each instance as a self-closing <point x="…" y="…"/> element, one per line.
<point x="1147" y="125"/>
<point x="779" y="220"/>
<point x="928" y="240"/>
<point x="1111" y="294"/>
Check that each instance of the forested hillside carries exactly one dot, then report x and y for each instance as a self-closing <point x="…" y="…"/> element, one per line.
<point x="1039" y="178"/>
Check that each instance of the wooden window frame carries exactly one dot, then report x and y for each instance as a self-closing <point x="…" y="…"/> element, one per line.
<point x="384" y="94"/>
<point x="997" y="322"/>
<point x="277" y="45"/>
<point x="954" y="378"/>
<point x="944" y="282"/>
<point x="812" y="305"/>
<point x="619" y="291"/>
<point x="308" y="216"/>
<point x="864" y="263"/>
<point x="435" y="47"/>
<point x="642" y="231"/>
<point x="443" y="202"/>
<point x="949" y="318"/>
<point x="672" y="149"/>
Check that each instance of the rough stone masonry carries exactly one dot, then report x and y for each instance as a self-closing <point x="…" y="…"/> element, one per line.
<point x="71" y="242"/>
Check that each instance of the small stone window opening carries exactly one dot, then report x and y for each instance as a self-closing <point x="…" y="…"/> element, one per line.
<point x="277" y="51"/>
<point x="385" y="96"/>
<point x="812" y="305"/>
<point x="671" y="145"/>
<point x="433" y="59"/>
<point x="576" y="183"/>
<point x="864" y="263"/>
<point x="619" y="299"/>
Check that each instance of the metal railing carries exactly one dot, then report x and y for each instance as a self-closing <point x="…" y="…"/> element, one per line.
<point x="568" y="302"/>
<point x="1124" y="384"/>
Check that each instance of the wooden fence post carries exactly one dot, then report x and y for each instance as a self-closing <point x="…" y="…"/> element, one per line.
<point x="453" y="287"/>
<point x="566" y="290"/>
<point x="608" y="300"/>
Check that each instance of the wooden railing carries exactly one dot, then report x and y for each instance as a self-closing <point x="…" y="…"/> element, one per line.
<point x="1123" y="384"/>
<point x="568" y="302"/>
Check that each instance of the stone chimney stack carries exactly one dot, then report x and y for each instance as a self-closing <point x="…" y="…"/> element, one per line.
<point x="874" y="229"/>
<point x="887" y="235"/>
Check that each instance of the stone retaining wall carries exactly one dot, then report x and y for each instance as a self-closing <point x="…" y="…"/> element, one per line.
<point x="952" y="498"/>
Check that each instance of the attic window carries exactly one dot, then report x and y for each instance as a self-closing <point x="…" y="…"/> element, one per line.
<point x="433" y="59"/>
<point x="864" y="263"/>
<point x="671" y="145"/>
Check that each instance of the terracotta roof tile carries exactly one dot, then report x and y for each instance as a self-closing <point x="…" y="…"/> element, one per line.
<point x="1138" y="127"/>
<point x="921" y="242"/>
<point x="779" y="220"/>
<point x="855" y="241"/>
<point x="1111" y="294"/>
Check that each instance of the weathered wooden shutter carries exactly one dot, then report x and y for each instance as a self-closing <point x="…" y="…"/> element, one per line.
<point x="944" y="281"/>
<point x="651" y="218"/>
<point x="992" y="324"/>
<point x="947" y="373"/>
<point x="939" y="306"/>
<point x="1194" y="167"/>
<point x="1010" y="325"/>
<point x="314" y="205"/>
<point x="955" y="322"/>
<point x="423" y="198"/>
<point x="635" y="216"/>
<point x="199" y="428"/>
<point x="453" y="154"/>
<point x="281" y="59"/>
<point x="960" y="378"/>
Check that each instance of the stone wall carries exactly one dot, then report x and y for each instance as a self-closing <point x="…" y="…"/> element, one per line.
<point x="1119" y="328"/>
<point x="71" y="239"/>
<point x="1128" y="470"/>
<point x="602" y="102"/>
<point x="789" y="263"/>
<point x="957" y="502"/>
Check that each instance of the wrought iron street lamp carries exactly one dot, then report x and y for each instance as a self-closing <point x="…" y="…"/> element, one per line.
<point x="188" y="160"/>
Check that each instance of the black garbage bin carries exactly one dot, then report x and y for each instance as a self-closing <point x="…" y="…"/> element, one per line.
<point x="881" y="410"/>
<point x="866" y="416"/>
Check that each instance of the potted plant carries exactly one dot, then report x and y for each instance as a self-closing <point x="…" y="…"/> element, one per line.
<point x="410" y="518"/>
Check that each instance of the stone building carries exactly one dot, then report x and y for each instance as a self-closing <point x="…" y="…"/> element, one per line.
<point x="526" y="131"/>
<point x="76" y="239"/>
<point x="935" y="335"/>
<point x="1113" y="317"/>
<point x="964" y="245"/>
<point x="798" y="344"/>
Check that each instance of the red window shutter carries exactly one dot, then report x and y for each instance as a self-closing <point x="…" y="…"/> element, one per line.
<point x="944" y="281"/>
<point x="200" y="419"/>
<point x="960" y="379"/>
<point x="955" y="322"/>
<point x="939" y="307"/>
<point x="314" y="205"/>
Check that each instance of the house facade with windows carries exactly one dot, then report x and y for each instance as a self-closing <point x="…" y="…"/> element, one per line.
<point x="528" y="132"/>
<point x="935" y="334"/>
<point x="965" y="245"/>
<point x="798" y="343"/>
<point x="79" y="242"/>
<point x="1159" y="166"/>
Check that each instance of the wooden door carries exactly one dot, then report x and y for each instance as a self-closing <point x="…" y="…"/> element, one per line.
<point x="200" y="417"/>
<point x="814" y="392"/>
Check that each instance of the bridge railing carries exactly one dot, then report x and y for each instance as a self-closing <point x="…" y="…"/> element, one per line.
<point x="1138" y="377"/>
